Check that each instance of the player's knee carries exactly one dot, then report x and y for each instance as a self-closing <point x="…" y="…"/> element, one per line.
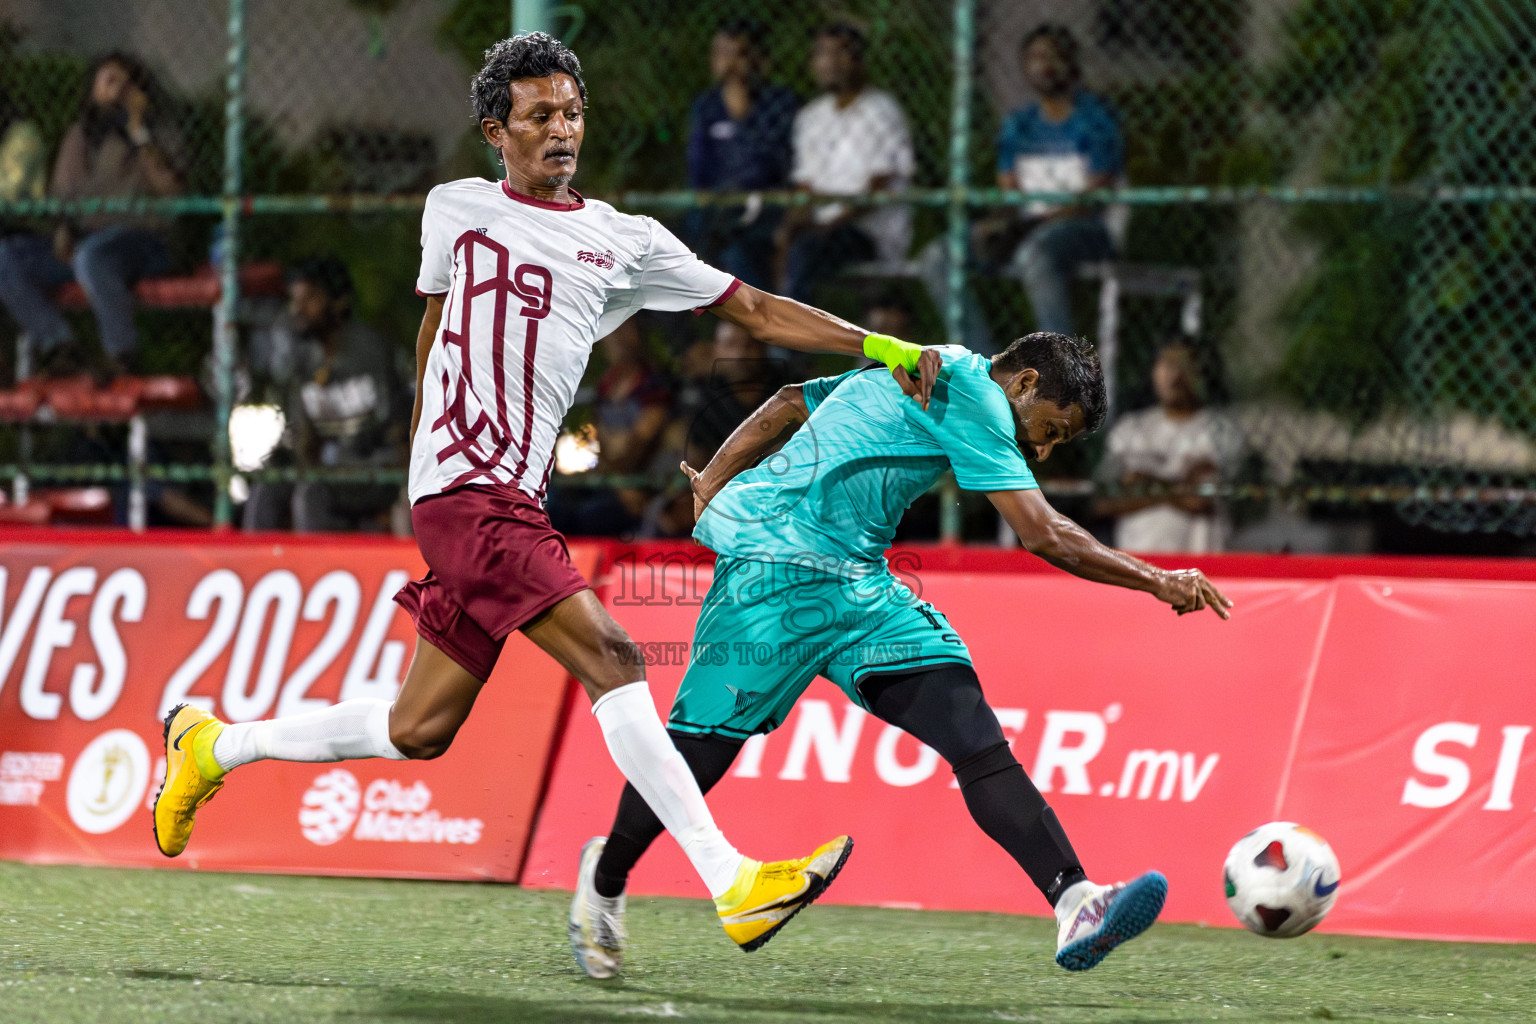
<point x="620" y="651"/>
<point x="420" y="741"/>
<point x="990" y="760"/>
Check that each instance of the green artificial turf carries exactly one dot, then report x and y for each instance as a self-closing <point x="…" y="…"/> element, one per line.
<point x="104" y="945"/>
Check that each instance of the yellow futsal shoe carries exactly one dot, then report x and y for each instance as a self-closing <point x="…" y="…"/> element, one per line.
<point x="192" y="776"/>
<point x="765" y="896"/>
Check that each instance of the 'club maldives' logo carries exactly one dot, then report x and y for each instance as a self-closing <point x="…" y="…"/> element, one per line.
<point x="330" y="807"/>
<point x="386" y="811"/>
<point x="603" y="260"/>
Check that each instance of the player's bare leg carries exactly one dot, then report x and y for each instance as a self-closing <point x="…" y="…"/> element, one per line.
<point x="435" y="699"/>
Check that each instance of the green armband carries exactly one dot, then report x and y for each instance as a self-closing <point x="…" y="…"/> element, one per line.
<point x="893" y="352"/>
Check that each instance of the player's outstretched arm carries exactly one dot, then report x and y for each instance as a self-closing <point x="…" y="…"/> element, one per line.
<point x="747" y="443"/>
<point x="428" y="331"/>
<point x="1060" y="541"/>
<point x="776" y="320"/>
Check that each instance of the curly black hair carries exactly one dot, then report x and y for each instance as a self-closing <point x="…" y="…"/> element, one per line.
<point x="1069" y="369"/>
<point x="530" y="55"/>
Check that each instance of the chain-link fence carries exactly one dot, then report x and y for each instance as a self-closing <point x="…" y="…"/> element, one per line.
<point x="1326" y="203"/>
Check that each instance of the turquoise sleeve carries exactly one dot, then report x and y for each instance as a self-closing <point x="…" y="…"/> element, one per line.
<point x="976" y="431"/>
<point x="816" y="391"/>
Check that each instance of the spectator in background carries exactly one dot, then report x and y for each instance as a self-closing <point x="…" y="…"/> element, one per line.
<point x="742" y="377"/>
<point x="1176" y="443"/>
<point x="1066" y="141"/>
<point x="120" y="146"/>
<point x="633" y="401"/>
<point x="725" y="380"/>
<point x="739" y="141"/>
<point x="23" y="158"/>
<point x="891" y="312"/>
<point x="851" y="140"/>
<point x="344" y="404"/>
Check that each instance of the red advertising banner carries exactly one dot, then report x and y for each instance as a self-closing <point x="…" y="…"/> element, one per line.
<point x="101" y="634"/>
<point x="1414" y="757"/>
<point x="1391" y="715"/>
<point x="1159" y="740"/>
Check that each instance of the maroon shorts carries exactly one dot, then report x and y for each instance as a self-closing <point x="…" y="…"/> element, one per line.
<point x="494" y="563"/>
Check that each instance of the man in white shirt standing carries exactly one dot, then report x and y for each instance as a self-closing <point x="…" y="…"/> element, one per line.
<point x="851" y="140"/>
<point x="521" y="277"/>
<point x="1177" y="444"/>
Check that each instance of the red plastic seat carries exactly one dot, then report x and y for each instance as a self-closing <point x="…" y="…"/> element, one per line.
<point x="78" y="398"/>
<point x="164" y="391"/>
<point x="199" y="290"/>
<point x="71" y="402"/>
<point x="78" y="504"/>
<point x="35" y="512"/>
<point x="19" y="403"/>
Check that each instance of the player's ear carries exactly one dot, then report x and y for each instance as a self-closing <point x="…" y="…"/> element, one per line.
<point x="1023" y="381"/>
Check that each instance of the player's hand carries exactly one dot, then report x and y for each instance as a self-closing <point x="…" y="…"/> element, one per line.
<point x="695" y="481"/>
<point x="1187" y="590"/>
<point x="921" y="387"/>
<point x="136" y="104"/>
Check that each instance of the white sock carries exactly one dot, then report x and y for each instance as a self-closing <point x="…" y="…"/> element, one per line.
<point x="641" y="748"/>
<point x="351" y="729"/>
<point x="613" y="906"/>
<point x="1071" y="896"/>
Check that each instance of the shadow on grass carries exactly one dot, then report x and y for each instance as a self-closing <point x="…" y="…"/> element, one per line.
<point x="204" y="977"/>
<point x="418" y="1005"/>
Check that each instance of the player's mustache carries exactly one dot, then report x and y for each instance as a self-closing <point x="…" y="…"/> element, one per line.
<point x="559" y="151"/>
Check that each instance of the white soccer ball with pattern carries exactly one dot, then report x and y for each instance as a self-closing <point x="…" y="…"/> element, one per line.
<point x="1281" y="879"/>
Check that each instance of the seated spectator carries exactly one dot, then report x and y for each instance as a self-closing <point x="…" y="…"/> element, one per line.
<point x="1176" y="443"/>
<point x="739" y="141"/>
<point x="344" y="403"/>
<point x="633" y="400"/>
<point x="23" y="158"/>
<point x="1066" y="141"/>
<point x="851" y="140"/>
<point x="120" y="146"/>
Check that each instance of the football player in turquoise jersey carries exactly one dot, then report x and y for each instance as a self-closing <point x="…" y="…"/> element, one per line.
<point x="800" y="540"/>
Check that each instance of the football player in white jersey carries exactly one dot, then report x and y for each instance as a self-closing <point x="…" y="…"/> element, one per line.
<point x="521" y="277"/>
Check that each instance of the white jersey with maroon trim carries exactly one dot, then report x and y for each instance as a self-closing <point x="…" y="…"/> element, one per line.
<point x="529" y="286"/>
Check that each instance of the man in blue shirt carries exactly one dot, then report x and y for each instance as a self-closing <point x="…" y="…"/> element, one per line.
<point x="801" y="541"/>
<point x="739" y="141"/>
<point x="1065" y="141"/>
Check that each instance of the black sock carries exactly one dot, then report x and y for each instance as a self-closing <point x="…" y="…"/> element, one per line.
<point x="636" y="826"/>
<point x="945" y="708"/>
<point x="1008" y="807"/>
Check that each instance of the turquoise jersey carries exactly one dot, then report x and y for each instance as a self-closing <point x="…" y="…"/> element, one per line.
<point x="832" y="497"/>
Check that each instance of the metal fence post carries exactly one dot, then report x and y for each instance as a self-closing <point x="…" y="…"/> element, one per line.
<point x="957" y="233"/>
<point x="530" y="16"/>
<point x="959" y="171"/>
<point x="227" y="312"/>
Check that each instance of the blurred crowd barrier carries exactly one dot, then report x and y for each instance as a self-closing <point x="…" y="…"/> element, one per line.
<point x="1326" y="205"/>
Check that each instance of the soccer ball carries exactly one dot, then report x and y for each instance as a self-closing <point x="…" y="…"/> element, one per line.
<point x="1281" y="879"/>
